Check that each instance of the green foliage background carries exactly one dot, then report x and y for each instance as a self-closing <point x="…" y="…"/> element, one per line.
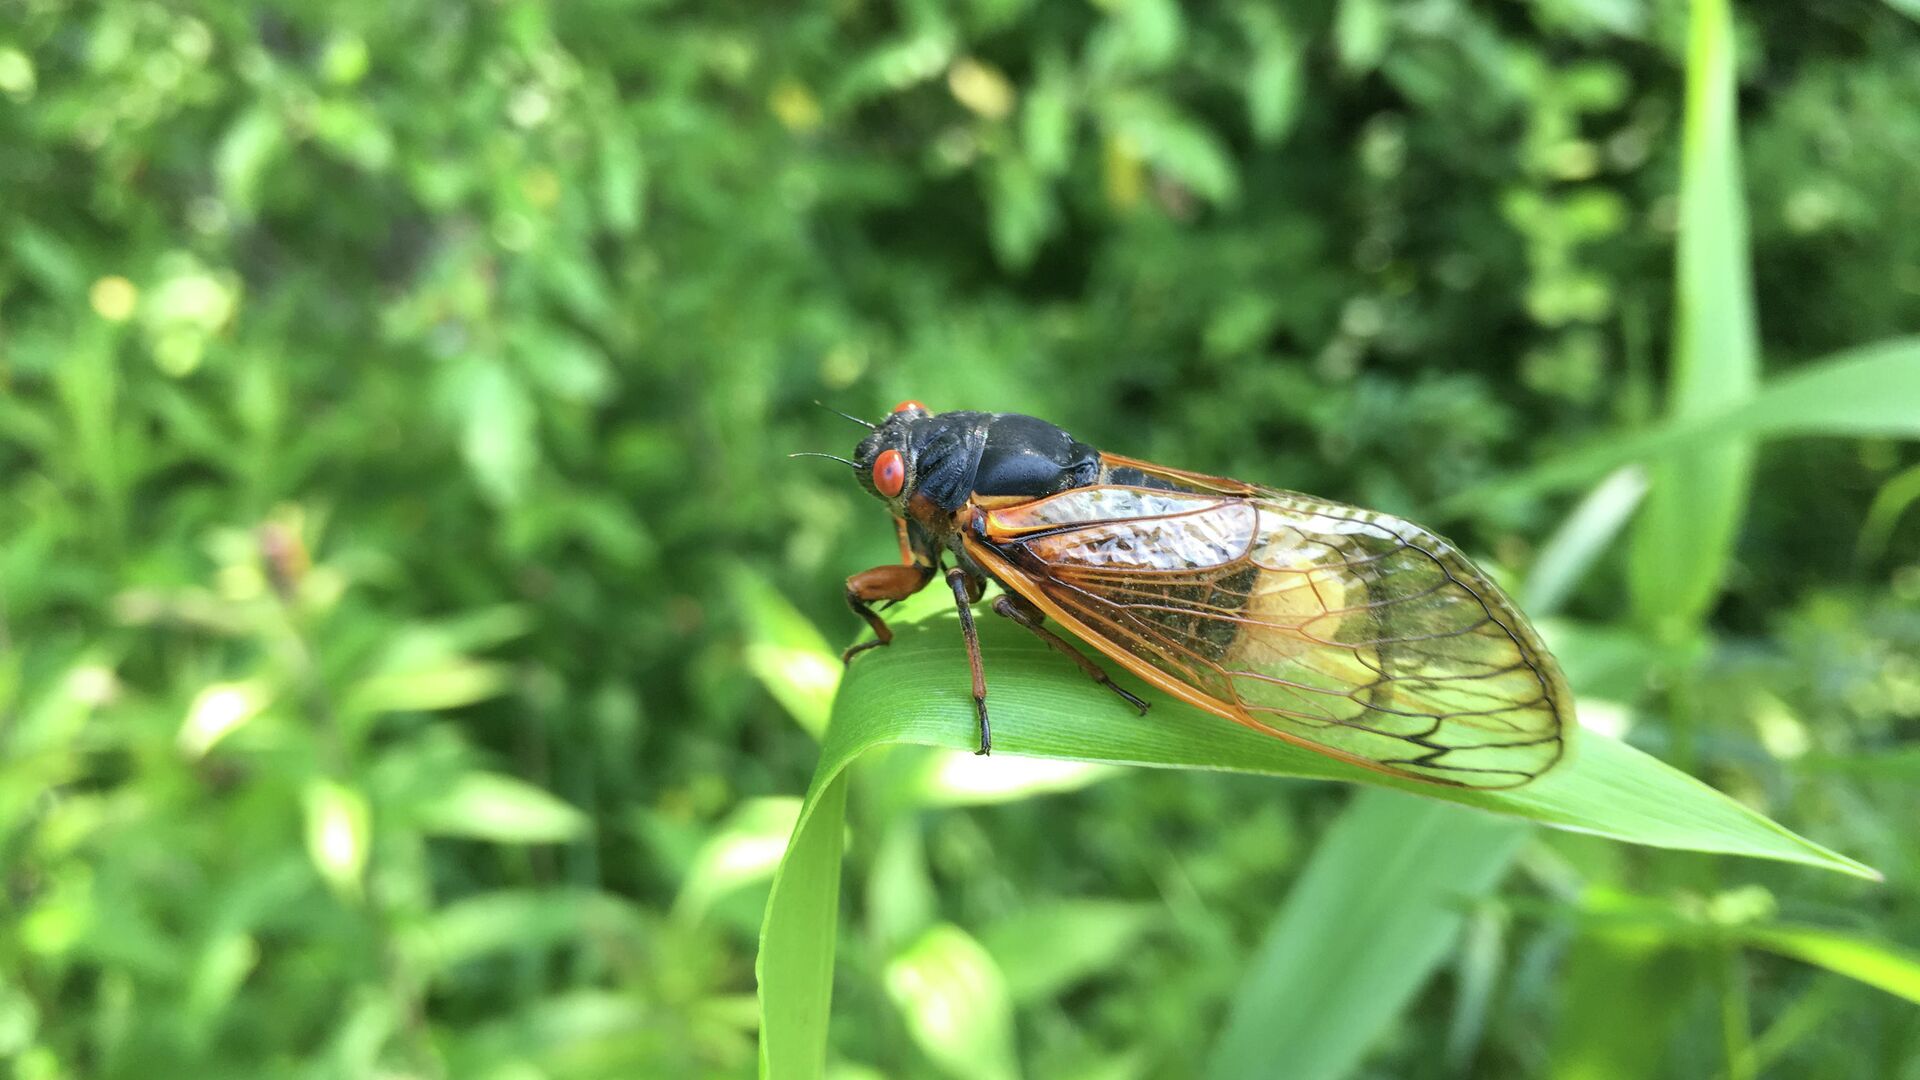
<point x="404" y="595"/>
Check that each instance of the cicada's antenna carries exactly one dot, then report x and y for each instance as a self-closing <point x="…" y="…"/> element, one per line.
<point x="829" y="457"/>
<point x="868" y="424"/>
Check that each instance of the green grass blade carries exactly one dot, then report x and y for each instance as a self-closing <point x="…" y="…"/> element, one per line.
<point x="1857" y="956"/>
<point x="1357" y="921"/>
<point x="1872" y="390"/>
<point x="1439" y="861"/>
<point x="917" y="692"/>
<point x="1684" y="537"/>
<point x="1579" y="542"/>
<point x="795" y="964"/>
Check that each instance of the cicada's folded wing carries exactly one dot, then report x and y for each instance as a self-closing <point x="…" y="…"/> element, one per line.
<point x="1351" y="632"/>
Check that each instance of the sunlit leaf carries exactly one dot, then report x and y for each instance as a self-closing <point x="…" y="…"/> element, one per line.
<point x="339" y="832"/>
<point x="746" y="848"/>
<point x="490" y="806"/>
<point x="786" y="652"/>
<point x="218" y="711"/>
<point x="955" y="1003"/>
<point x="1857" y="956"/>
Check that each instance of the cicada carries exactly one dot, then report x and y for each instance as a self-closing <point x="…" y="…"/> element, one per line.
<point x="1349" y="632"/>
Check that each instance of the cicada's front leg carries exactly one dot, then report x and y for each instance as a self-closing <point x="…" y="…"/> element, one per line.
<point x="881" y="583"/>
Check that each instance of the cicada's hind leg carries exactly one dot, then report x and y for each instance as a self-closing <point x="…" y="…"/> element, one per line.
<point x="1017" y="608"/>
<point x="881" y="583"/>
<point x="966" y="591"/>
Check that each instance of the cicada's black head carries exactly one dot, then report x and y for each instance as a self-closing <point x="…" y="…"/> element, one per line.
<point x="947" y="458"/>
<point x="887" y="461"/>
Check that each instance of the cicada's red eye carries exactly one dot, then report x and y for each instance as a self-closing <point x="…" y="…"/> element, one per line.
<point x="910" y="404"/>
<point x="889" y="473"/>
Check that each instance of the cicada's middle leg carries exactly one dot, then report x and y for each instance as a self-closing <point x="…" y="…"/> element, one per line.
<point x="1016" y="607"/>
<point x="967" y="589"/>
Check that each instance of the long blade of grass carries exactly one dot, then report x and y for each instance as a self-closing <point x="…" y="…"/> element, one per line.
<point x="1333" y="970"/>
<point x="1683" y="540"/>
<point x="1870" y="390"/>
<point x="916" y="692"/>
<point x="1415" y="870"/>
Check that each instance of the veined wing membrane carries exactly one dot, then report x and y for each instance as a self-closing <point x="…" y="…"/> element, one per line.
<point x="1355" y="633"/>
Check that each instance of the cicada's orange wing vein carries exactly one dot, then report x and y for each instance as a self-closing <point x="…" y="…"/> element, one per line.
<point x="1352" y="632"/>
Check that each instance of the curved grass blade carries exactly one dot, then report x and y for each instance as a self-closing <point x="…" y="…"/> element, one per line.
<point x="917" y="692"/>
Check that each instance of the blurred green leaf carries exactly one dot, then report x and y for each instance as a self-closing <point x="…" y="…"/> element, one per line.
<point x="1045" y="949"/>
<point x="503" y="809"/>
<point x="1176" y="144"/>
<point x="1022" y="211"/>
<point x="1684" y="538"/>
<point x="746" y="848"/>
<point x="1274" y="80"/>
<point x="1870" y="390"/>
<point x="786" y="652"/>
<point x="1360" y="33"/>
<point x="1899" y="493"/>
<point x="1579" y="542"/>
<point x="955" y="1003"/>
<point x="444" y="684"/>
<point x="1857" y="956"/>
<point x="1384" y="895"/>
<point x="497" y="430"/>
<point x="339" y="833"/>
<point x="518" y="920"/>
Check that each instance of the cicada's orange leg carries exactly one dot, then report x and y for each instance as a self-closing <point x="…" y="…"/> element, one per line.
<point x="906" y="548"/>
<point x="881" y="583"/>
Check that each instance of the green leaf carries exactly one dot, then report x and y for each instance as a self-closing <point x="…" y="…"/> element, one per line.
<point x="1731" y="918"/>
<point x="1176" y="144"/>
<point x="1870" y="390"/>
<point x="339" y="834"/>
<point x="1274" y="78"/>
<point x="916" y="691"/>
<point x="490" y="806"/>
<point x="1894" y="498"/>
<point x="1345" y="939"/>
<point x="1021" y="210"/>
<point x="519" y="921"/>
<point x="964" y="778"/>
<point x="955" y="1003"/>
<point x="794" y="967"/>
<point x="786" y="652"/>
<point x="1444" y="861"/>
<point x="1044" y="949"/>
<point x="1683" y="540"/>
<point x="1360" y="34"/>
<point x="1574" y="547"/>
<point x="1857" y="956"/>
<point x="497" y="433"/>
<point x="745" y="849"/>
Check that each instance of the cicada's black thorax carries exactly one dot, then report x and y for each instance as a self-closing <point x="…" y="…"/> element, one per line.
<point x="961" y="454"/>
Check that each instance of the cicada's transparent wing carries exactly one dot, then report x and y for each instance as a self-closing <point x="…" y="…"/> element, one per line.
<point x="1351" y="632"/>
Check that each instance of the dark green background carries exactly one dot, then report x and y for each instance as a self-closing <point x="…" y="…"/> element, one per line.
<point x="505" y="314"/>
